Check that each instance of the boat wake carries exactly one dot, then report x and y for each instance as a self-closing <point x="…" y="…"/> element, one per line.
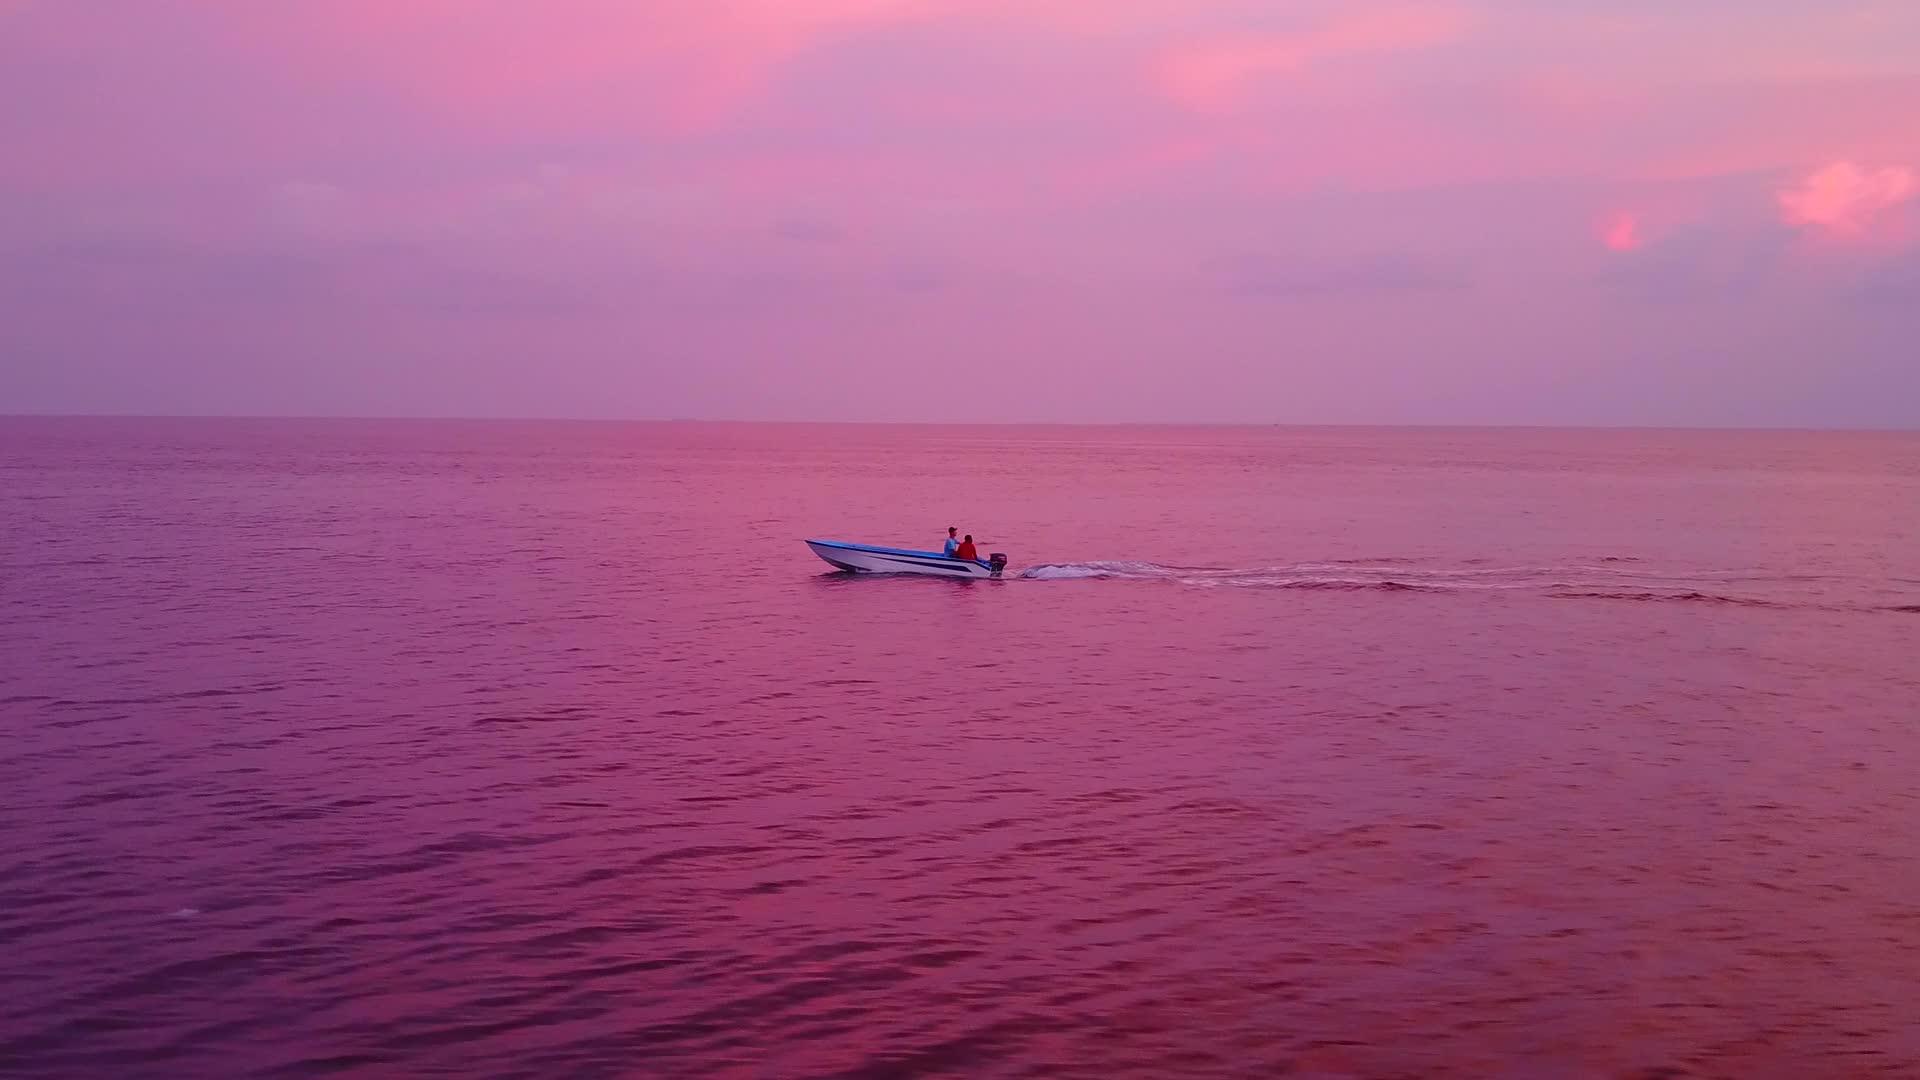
<point x="1072" y="571"/>
<point x="1614" y="579"/>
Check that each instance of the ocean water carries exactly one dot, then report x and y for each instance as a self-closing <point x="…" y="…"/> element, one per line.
<point x="366" y="748"/>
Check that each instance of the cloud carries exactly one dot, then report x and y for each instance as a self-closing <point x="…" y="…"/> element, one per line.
<point x="1895" y="282"/>
<point x="1215" y="75"/>
<point x="1706" y="263"/>
<point x="1253" y="274"/>
<point x="1844" y="200"/>
<point x="809" y="231"/>
<point x="918" y="276"/>
<point x="1621" y="232"/>
<point x="308" y="206"/>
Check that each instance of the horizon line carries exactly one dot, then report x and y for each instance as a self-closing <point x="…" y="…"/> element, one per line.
<point x="693" y="420"/>
<point x="707" y="420"/>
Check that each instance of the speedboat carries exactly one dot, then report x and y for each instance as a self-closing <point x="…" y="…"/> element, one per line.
<point x="866" y="559"/>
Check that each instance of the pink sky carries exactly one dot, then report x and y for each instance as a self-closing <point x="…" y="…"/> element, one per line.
<point x="1483" y="211"/>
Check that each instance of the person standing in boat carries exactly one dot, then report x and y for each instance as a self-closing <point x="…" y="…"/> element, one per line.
<point x="953" y="541"/>
<point x="966" y="551"/>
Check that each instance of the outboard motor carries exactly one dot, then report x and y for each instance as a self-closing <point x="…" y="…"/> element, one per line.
<point x="997" y="562"/>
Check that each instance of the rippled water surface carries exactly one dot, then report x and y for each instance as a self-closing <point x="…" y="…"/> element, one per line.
<point x="532" y="749"/>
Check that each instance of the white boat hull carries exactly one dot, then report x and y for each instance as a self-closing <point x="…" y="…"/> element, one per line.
<point x="866" y="559"/>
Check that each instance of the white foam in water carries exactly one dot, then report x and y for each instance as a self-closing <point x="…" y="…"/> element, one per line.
<point x="1061" y="573"/>
<point x="1359" y="575"/>
<point x="1071" y="571"/>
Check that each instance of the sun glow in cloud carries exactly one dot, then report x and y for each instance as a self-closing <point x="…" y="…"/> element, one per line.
<point x="1847" y="201"/>
<point x="1621" y="232"/>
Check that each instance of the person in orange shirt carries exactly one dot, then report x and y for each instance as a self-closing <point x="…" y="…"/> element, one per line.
<point x="967" y="551"/>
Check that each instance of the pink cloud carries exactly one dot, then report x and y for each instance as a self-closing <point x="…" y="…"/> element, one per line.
<point x="1214" y="75"/>
<point x="594" y="64"/>
<point x="1621" y="232"/>
<point x="1844" y="200"/>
